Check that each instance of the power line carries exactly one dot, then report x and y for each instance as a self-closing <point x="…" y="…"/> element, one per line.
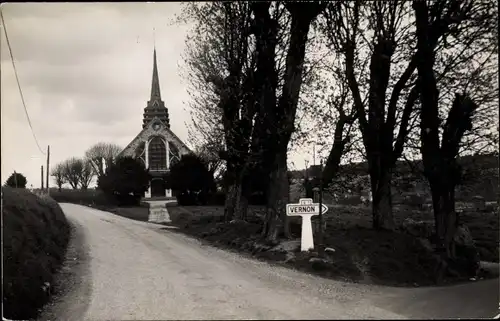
<point x="18" y="84"/>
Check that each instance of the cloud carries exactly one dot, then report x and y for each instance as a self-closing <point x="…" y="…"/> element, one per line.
<point x="85" y="71"/>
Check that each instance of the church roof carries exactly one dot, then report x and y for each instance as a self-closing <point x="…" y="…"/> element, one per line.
<point x="149" y="131"/>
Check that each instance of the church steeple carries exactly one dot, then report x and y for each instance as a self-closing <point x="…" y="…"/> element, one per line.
<point x="156" y="107"/>
<point x="155" y="84"/>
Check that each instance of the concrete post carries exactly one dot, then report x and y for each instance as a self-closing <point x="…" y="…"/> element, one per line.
<point x="148" y="193"/>
<point x="168" y="192"/>
<point x="167" y="146"/>
<point x="147" y="154"/>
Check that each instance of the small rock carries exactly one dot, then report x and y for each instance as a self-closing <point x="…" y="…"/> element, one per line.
<point x="315" y="259"/>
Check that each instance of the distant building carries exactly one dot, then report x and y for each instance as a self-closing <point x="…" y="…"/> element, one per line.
<point x="156" y="145"/>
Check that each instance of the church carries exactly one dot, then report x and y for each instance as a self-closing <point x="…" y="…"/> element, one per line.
<point x="156" y="145"/>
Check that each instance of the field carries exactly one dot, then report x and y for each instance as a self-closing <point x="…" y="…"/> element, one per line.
<point x="35" y="237"/>
<point x="360" y="254"/>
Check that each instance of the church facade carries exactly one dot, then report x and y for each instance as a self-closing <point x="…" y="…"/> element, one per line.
<point x="156" y="145"/>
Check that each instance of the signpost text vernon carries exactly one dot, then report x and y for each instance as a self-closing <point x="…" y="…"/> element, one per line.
<point x="306" y="209"/>
<point x="299" y="209"/>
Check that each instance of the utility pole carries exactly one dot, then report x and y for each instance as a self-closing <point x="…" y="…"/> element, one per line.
<point x="321" y="249"/>
<point x="306" y="179"/>
<point x="314" y="154"/>
<point x="15" y="178"/>
<point x="41" y="176"/>
<point x="47" y="170"/>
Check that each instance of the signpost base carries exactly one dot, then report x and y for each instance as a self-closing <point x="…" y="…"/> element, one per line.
<point x="306" y="242"/>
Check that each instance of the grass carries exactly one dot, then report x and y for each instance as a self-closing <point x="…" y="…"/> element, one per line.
<point x="35" y="237"/>
<point x="97" y="199"/>
<point x="89" y="197"/>
<point x="361" y="254"/>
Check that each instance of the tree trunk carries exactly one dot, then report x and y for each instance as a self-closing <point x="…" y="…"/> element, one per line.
<point x="276" y="219"/>
<point x="230" y="203"/>
<point x="241" y="205"/>
<point x="439" y="160"/>
<point x="382" y="214"/>
<point x="446" y="223"/>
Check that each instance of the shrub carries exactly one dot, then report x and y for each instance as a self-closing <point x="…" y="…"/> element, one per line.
<point x="92" y="197"/>
<point x="126" y="181"/>
<point x="191" y="180"/>
<point x="36" y="234"/>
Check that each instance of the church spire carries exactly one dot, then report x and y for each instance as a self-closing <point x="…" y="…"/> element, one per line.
<point x="155" y="84"/>
<point x="155" y="107"/>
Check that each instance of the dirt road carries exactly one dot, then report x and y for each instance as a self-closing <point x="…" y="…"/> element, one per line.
<point x="123" y="269"/>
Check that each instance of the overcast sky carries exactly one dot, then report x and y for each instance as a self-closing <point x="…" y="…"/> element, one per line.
<point x="85" y="72"/>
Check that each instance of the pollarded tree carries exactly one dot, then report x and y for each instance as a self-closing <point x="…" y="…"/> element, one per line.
<point x="220" y="66"/>
<point x="276" y="117"/>
<point x="125" y="180"/>
<point x="16" y="180"/>
<point x="377" y="42"/>
<point x="473" y="21"/>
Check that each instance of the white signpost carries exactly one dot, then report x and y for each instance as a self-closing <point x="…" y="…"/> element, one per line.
<point x="306" y="208"/>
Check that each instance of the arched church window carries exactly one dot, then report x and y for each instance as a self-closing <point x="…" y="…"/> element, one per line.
<point x="157" y="154"/>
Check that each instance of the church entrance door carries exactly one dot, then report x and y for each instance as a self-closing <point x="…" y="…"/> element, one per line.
<point x="157" y="187"/>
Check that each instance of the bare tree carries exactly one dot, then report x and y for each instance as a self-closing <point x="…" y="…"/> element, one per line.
<point x="72" y="171"/>
<point x="100" y="154"/>
<point x="58" y="173"/>
<point x="87" y="173"/>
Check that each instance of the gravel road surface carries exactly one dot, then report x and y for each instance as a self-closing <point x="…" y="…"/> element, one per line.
<point x="120" y="269"/>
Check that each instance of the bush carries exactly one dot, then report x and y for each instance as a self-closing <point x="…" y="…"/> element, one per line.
<point x="191" y="181"/>
<point x="125" y="181"/>
<point x="35" y="238"/>
<point x="92" y="197"/>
